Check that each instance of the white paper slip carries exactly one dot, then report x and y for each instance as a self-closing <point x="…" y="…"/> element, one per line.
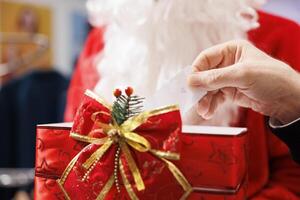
<point x="176" y="91"/>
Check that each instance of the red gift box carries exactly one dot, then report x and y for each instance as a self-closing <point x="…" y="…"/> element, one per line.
<point x="213" y="160"/>
<point x="213" y="163"/>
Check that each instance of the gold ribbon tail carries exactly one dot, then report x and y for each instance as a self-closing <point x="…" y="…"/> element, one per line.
<point x="133" y="168"/>
<point x="106" y="188"/>
<point x="165" y="154"/>
<point x="178" y="175"/>
<point x="127" y="185"/>
<point x="186" y="194"/>
<point x="97" y="154"/>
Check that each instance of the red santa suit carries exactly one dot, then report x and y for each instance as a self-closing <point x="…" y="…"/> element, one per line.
<point x="272" y="173"/>
<point x="85" y="75"/>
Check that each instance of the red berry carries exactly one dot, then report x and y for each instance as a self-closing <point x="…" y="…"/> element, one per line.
<point x="129" y="91"/>
<point x="117" y="93"/>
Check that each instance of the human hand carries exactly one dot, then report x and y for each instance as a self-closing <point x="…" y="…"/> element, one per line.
<point x="238" y="71"/>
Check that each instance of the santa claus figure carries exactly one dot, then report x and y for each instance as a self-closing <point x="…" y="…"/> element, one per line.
<point x="145" y="43"/>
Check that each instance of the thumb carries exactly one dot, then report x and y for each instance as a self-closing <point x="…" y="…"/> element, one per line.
<point x="214" y="79"/>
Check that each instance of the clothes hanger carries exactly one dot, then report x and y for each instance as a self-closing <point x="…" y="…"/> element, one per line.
<point x="40" y="40"/>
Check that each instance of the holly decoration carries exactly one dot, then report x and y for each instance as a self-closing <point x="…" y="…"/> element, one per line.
<point x="126" y="105"/>
<point x="117" y="93"/>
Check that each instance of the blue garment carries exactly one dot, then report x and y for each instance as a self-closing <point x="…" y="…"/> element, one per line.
<point x="36" y="98"/>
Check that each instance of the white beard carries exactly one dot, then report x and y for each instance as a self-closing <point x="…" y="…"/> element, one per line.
<point x="147" y="42"/>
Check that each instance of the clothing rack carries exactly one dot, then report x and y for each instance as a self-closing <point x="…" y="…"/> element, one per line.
<point x="13" y="178"/>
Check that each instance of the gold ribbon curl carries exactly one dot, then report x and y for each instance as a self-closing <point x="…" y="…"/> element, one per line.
<point x="124" y="136"/>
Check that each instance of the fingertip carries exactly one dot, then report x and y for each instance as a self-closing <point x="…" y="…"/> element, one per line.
<point x="201" y="63"/>
<point x="216" y="100"/>
<point x="195" y="68"/>
<point x="204" y="104"/>
<point x="201" y="111"/>
<point x="210" y="112"/>
<point x="207" y="116"/>
<point x="193" y="79"/>
<point x="189" y="80"/>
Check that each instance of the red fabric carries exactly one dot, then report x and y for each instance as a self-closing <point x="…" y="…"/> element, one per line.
<point x="85" y="75"/>
<point x="163" y="133"/>
<point x="279" y="38"/>
<point x="219" y="162"/>
<point x="272" y="173"/>
<point x="55" y="149"/>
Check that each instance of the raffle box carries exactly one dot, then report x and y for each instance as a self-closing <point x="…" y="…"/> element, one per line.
<point x="213" y="159"/>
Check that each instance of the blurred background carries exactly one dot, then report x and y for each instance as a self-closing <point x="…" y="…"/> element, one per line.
<point x="40" y="41"/>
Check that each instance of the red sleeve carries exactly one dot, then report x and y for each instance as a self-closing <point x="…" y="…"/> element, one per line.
<point x="279" y="38"/>
<point x="85" y="75"/>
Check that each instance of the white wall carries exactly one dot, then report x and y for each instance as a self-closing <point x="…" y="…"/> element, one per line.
<point x="61" y="22"/>
<point x="286" y="8"/>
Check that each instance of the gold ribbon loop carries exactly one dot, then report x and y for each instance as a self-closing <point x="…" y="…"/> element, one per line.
<point x="106" y="127"/>
<point x="133" y="122"/>
<point x="137" y="142"/>
<point x="94" y="115"/>
<point x="87" y="139"/>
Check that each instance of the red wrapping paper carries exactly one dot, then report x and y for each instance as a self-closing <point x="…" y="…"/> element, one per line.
<point x="54" y="150"/>
<point x="215" y="163"/>
<point x="162" y="131"/>
<point x="209" y="162"/>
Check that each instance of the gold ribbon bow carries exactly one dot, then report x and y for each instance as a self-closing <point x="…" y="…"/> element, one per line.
<point x="123" y="136"/>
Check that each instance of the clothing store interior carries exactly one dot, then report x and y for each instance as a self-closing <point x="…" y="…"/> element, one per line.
<point x="52" y="52"/>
